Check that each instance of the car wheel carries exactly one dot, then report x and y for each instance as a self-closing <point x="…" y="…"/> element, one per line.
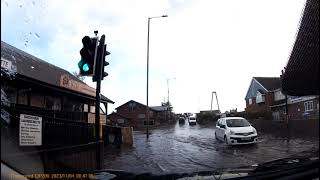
<point x="225" y="139"/>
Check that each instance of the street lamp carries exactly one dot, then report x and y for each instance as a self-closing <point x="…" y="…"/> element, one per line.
<point x="147" y="108"/>
<point x="168" y="79"/>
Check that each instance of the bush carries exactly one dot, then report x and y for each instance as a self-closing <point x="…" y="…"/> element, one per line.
<point x="207" y="117"/>
<point x="266" y="115"/>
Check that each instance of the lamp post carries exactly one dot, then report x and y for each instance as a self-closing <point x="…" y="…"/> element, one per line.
<point x="168" y="79"/>
<point x="147" y="108"/>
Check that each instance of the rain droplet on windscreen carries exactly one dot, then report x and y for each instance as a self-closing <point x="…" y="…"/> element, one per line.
<point x="6" y="3"/>
<point x="33" y="3"/>
<point x="37" y="35"/>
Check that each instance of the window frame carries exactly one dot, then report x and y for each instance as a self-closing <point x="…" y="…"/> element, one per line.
<point x="306" y="106"/>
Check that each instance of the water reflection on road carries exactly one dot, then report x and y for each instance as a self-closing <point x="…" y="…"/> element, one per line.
<point x="182" y="148"/>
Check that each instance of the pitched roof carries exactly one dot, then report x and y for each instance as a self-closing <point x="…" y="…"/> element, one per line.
<point x="270" y="83"/>
<point x="118" y="114"/>
<point x="152" y="108"/>
<point x="32" y="67"/>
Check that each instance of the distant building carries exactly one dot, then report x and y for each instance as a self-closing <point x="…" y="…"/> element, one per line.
<point x="133" y="113"/>
<point x="217" y="112"/>
<point x="264" y="95"/>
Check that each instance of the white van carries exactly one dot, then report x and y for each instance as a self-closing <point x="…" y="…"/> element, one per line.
<point x="192" y="120"/>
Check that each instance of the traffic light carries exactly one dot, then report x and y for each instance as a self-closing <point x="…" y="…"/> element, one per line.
<point x="101" y="60"/>
<point x="105" y="63"/>
<point x="88" y="56"/>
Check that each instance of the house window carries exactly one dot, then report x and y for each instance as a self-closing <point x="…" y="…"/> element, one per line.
<point x="250" y="101"/>
<point x="308" y="106"/>
<point x="284" y="110"/>
<point x="278" y="96"/>
<point x="260" y="98"/>
<point x="131" y="106"/>
<point x="276" y="115"/>
<point x="85" y="107"/>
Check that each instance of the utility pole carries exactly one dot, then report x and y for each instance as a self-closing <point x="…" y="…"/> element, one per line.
<point x="216" y="99"/>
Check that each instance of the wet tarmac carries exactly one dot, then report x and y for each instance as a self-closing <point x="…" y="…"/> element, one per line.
<point x="181" y="148"/>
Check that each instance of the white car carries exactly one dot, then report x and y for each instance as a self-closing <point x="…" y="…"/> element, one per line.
<point x="235" y="130"/>
<point x="192" y="120"/>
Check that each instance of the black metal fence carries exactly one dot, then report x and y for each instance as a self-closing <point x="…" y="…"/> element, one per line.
<point x="66" y="145"/>
<point x="55" y="132"/>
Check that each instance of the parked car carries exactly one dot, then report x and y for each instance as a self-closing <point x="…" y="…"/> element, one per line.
<point x="235" y="130"/>
<point x="192" y="120"/>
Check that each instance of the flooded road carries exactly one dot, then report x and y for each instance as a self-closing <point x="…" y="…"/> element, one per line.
<point x="182" y="148"/>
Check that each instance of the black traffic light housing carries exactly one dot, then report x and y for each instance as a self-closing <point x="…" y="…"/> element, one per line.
<point x="101" y="60"/>
<point x="105" y="63"/>
<point x="87" y="64"/>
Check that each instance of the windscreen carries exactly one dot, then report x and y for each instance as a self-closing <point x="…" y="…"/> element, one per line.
<point x="237" y="123"/>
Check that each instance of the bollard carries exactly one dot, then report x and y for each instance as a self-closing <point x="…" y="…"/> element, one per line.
<point x="127" y="135"/>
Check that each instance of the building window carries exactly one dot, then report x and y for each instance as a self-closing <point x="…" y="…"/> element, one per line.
<point x="22" y="97"/>
<point x="85" y="107"/>
<point x="92" y="109"/>
<point x="131" y="106"/>
<point x="250" y="101"/>
<point x="308" y="106"/>
<point x="276" y="115"/>
<point x="11" y="94"/>
<point x="278" y="96"/>
<point x="53" y="103"/>
<point x="260" y="98"/>
<point x="37" y="100"/>
<point x="284" y="110"/>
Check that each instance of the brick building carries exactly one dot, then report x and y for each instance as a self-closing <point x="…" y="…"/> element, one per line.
<point x="133" y="114"/>
<point x="265" y="96"/>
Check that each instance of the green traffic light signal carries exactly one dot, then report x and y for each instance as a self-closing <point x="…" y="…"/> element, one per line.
<point x="85" y="67"/>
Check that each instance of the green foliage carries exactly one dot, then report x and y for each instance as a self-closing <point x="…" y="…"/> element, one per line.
<point x="207" y="117"/>
<point x="266" y="115"/>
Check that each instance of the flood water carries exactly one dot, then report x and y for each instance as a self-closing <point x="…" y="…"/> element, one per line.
<point x="181" y="148"/>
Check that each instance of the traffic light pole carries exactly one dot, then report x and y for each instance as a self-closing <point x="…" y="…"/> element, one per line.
<point x="98" y="74"/>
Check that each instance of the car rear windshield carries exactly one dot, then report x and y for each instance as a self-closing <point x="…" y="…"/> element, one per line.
<point x="237" y="123"/>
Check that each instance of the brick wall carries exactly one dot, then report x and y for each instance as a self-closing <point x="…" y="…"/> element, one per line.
<point x="297" y="111"/>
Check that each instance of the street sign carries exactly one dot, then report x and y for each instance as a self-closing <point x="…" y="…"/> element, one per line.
<point x="30" y="132"/>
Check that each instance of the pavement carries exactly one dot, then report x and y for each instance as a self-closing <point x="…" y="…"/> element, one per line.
<point x="181" y="148"/>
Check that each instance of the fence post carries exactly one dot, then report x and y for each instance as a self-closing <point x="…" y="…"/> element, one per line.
<point x="101" y="145"/>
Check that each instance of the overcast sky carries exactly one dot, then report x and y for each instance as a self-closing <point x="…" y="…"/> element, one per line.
<point x="207" y="45"/>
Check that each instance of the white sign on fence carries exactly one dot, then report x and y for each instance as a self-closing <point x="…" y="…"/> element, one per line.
<point x="30" y="132"/>
<point x="6" y="64"/>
